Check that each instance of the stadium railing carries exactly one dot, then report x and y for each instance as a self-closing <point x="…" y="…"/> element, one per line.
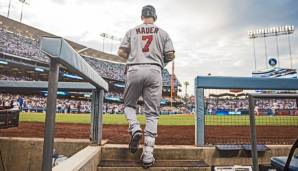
<point x="252" y="97"/>
<point x="227" y="83"/>
<point x="240" y="83"/>
<point x="61" y="53"/>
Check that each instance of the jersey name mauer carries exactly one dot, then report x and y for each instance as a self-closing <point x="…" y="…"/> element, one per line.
<point x="147" y="30"/>
<point x="148" y="44"/>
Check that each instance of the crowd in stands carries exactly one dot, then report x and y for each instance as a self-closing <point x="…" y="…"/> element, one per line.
<point x="114" y="71"/>
<point x="175" y="99"/>
<point x="34" y="103"/>
<point x="38" y="104"/>
<point x="241" y="104"/>
<point x="167" y="110"/>
<point x="277" y="104"/>
<point x="19" y="45"/>
<point x="114" y="94"/>
<point x="27" y="47"/>
<point x="12" y="78"/>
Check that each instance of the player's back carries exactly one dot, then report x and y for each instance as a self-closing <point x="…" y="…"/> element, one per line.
<point x="148" y="43"/>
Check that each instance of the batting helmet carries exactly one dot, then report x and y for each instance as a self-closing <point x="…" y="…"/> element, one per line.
<point x="149" y="11"/>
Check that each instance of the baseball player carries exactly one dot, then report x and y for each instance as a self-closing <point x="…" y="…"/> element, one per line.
<point x="147" y="49"/>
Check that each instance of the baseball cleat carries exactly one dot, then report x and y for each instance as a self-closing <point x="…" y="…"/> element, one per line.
<point x="147" y="161"/>
<point x="135" y="141"/>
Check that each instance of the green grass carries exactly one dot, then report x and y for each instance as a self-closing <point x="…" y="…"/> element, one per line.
<point x="107" y="119"/>
<point x="166" y="119"/>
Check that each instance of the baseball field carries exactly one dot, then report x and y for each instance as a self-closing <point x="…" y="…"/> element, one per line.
<point x="174" y="120"/>
<point x="172" y="129"/>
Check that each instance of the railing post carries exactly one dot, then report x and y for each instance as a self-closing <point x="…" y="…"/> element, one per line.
<point x="50" y="116"/>
<point x="92" y="135"/>
<point x="253" y="133"/>
<point x="100" y="117"/>
<point x="96" y="116"/>
<point x="200" y="117"/>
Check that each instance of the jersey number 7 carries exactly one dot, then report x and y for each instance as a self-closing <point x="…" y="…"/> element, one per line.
<point x="149" y="40"/>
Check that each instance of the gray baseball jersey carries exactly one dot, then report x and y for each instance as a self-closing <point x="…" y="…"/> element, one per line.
<point x="148" y="44"/>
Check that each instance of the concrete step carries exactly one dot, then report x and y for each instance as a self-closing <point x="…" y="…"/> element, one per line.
<point x="158" y="163"/>
<point x="136" y="165"/>
<point x="153" y="169"/>
<point x="209" y="154"/>
<point x="165" y="152"/>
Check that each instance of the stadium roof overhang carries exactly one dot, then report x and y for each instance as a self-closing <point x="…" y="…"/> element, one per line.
<point x="43" y="85"/>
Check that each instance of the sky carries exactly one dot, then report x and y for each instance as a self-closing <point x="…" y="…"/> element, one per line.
<point x="209" y="36"/>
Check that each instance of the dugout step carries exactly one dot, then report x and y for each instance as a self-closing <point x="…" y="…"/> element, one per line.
<point x="121" y="165"/>
<point x="161" y="152"/>
<point x="153" y="169"/>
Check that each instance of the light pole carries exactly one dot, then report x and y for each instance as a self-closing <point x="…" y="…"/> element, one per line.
<point x="290" y="51"/>
<point x="266" y="55"/>
<point x="272" y="31"/>
<point x="103" y="35"/>
<point x="254" y="49"/>
<point x="111" y="37"/>
<point x="23" y="2"/>
<point x="277" y="49"/>
<point x="8" y="8"/>
<point x="114" y="38"/>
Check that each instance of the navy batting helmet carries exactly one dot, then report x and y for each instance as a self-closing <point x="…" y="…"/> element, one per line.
<point x="149" y="11"/>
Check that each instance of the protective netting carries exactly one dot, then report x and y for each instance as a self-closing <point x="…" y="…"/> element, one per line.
<point x="227" y="118"/>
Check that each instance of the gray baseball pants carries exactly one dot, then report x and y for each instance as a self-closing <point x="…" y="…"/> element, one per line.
<point x="145" y="81"/>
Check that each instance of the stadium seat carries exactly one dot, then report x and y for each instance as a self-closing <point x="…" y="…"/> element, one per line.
<point x="284" y="163"/>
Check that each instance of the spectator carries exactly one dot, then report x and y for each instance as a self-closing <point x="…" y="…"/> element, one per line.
<point x="22" y="46"/>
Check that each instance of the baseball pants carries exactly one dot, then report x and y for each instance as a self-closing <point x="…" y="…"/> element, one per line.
<point x="145" y="81"/>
